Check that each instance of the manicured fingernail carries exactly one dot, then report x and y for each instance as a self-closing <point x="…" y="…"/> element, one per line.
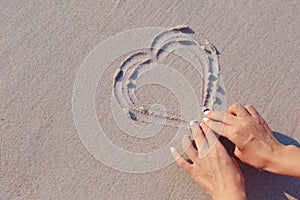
<point x="172" y="149"/>
<point x="192" y="122"/>
<point x="205" y="119"/>
<point x="206" y="112"/>
<point x="199" y="123"/>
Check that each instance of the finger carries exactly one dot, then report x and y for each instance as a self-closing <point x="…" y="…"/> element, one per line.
<point x="237" y="166"/>
<point x="223" y="130"/>
<point x="238" y="110"/>
<point x="224" y="117"/>
<point x="235" y="162"/>
<point x="217" y="127"/>
<point x="253" y="112"/>
<point x="188" y="148"/>
<point x="181" y="162"/>
<point x="264" y="123"/>
<point x="211" y="138"/>
<point x="216" y="147"/>
<point x="256" y="115"/>
<point x="198" y="134"/>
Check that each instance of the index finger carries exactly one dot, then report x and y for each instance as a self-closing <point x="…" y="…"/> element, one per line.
<point x="198" y="134"/>
<point x="220" y="116"/>
<point x="223" y="130"/>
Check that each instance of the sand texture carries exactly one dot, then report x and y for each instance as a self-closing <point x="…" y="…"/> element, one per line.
<point x="43" y="46"/>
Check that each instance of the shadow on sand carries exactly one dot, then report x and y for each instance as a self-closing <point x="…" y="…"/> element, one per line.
<point x="261" y="185"/>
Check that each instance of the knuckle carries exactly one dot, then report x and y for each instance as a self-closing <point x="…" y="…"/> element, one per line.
<point x="256" y="120"/>
<point x="232" y="106"/>
<point x="248" y="106"/>
<point x="188" y="170"/>
<point x="246" y="123"/>
<point x="235" y="130"/>
<point x="237" y="104"/>
<point x="261" y="121"/>
<point x="181" y="163"/>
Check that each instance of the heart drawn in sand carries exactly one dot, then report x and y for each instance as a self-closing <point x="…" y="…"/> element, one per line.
<point x="146" y="50"/>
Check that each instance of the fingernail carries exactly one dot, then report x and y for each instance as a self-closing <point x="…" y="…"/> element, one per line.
<point x="188" y="128"/>
<point x="192" y="122"/>
<point x="199" y="123"/>
<point x="206" y="112"/>
<point x="205" y="119"/>
<point x="172" y="149"/>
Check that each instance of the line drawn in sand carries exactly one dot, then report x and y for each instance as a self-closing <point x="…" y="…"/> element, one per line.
<point x="204" y="59"/>
<point x="147" y="50"/>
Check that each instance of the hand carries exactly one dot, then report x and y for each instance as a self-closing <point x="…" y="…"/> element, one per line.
<point x="212" y="168"/>
<point x="255" y="143"/>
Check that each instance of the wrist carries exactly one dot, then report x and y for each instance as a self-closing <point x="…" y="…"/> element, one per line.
<point x="285" y="161"/>
<point x="274" y="159"/>
<point x="236" y="193"/>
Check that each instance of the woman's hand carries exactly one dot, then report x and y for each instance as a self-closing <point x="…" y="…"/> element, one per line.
<point x="255" y="143"/>
<point x="212" y="168"/>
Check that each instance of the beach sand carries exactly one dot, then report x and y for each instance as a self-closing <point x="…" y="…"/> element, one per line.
<point x="44" y="43"/>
